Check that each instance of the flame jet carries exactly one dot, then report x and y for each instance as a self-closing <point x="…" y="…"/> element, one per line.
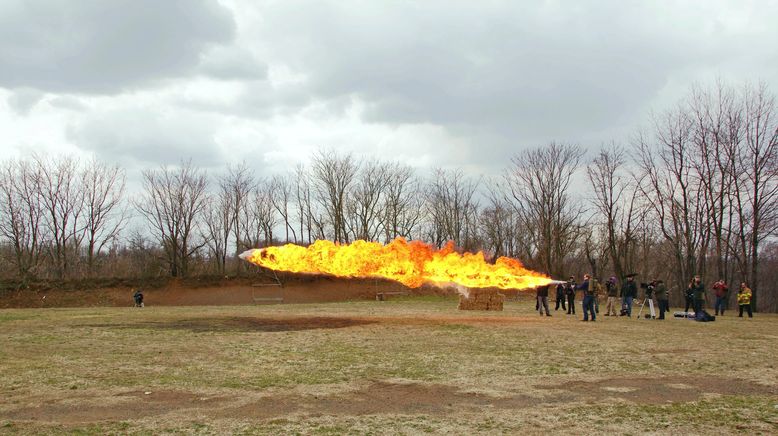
<point x="410" y="263"/>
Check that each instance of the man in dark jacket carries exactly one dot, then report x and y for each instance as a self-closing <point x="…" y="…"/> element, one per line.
<point x="560" y="297"/>
<point x="629" y="291"/>
<point x="689" y="297"/>
<point x="698" y="293"/>
<point x="661" y="298"/>
<point x="543" y="299"/>
<point x="570" y="293"/>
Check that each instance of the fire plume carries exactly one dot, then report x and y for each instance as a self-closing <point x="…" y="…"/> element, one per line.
<point x="410" y="263"/>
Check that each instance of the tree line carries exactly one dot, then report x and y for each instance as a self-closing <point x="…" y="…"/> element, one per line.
<point x="695" y="193"/>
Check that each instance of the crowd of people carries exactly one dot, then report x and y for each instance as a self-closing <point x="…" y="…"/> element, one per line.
<point x="620" y="299"/>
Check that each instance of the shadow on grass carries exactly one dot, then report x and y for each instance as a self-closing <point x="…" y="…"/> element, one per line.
<point x="241" y="324"/>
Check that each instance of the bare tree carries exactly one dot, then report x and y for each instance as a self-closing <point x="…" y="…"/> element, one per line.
<point x="172" y="202"/>
<point x="365" y="218"/>
<point x="332" y="178"/>
<point x="235" y="189"/>
<point x="452" y="209"/>
<point x="281" y="193"/>
<point x="257" y="220"/>
<point x="403" y="203"/>
<point x="756" y="184"/>
<point x="615" y="206"/>
<point x="63" y="206"/>
<point x="219" y="218"/>
<point x="537" y="184"/>
<point x="21" y="214"/>
<point x="104" y="211"/>
<point x="674" y="193"/>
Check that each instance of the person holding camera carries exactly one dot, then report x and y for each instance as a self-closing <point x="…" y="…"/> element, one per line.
<point x="570" y="293"/>
<point x="744" y="300"/>
<point x="613" y="295"/>
<point x="662" y="298"/>
<point x="689" y="297"/>
<point x="698" y="294"/>
<point x="629" y="291"/>
<point x="722" y="295"/>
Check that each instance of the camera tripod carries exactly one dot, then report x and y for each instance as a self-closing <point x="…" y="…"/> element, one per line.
<point x="650" y="307"/>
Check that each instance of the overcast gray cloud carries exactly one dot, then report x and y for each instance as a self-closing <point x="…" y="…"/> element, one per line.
<point x="431" y="83"/>
<point x="101" y="46"/>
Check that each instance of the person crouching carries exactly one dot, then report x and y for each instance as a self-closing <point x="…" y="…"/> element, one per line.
<point x="138" y="297"/>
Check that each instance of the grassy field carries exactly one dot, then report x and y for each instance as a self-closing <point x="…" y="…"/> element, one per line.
<point x="406" y="366"/>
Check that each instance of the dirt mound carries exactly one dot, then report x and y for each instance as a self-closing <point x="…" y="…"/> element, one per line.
<point x="214" y="292"/>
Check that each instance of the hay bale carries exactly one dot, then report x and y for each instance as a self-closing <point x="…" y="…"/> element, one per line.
<point x="482" y="299"/>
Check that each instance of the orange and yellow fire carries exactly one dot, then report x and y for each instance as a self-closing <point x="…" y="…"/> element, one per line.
<point x="410" y="263"/>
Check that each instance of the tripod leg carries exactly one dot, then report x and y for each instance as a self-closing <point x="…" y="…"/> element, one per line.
<point x="641" y="308"/>
<point x="651" y="308"/>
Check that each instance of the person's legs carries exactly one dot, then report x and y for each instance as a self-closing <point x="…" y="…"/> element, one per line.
<point x="544" y="302"/>
<point x="537" y="304"/>
<point x="688" y="304"/>
<point x="593" y="308"/>
<point x="661" y="309"/>
<point x="571" y="304"/>
<point x="629" y="306"/>
<point x="750" y="314"/>
<point x="586" y="301"/>
<point x="740" y="315"/>
<point x="719" y="305"/>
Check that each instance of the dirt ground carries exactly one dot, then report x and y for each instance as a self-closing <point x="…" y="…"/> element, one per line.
<point x="408" y="366"/>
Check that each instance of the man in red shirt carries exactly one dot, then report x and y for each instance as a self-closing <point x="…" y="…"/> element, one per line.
<point x="722" y="292"/>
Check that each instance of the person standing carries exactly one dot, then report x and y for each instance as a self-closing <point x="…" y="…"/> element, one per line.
<point x="560" y="297"/>
<point x="543" y="300"/>
<point x="662" y="298"/>
<point x="689" y="296"/>
<point x="629" y="291"/>
<point x="698" y="293"/>
<point x="570" y="293"/>
<point x="722" y="294"/>
<point x="744" y="300"/>
<point x="588" y="287"/>
<point x="613" y="294"/>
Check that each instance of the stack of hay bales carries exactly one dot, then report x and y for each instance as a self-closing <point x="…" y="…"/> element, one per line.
<point x="482" y="299"/>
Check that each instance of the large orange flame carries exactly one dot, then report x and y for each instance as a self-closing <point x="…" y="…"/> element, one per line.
<point x="410" y="263"/>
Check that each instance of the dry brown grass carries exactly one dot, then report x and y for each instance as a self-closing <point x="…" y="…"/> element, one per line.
<point x="408" y="366"/>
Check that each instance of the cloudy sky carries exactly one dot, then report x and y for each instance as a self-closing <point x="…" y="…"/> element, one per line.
<point x="430" y="83"/>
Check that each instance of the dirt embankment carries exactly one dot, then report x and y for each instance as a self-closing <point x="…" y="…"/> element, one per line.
<point x="205" y="291"/>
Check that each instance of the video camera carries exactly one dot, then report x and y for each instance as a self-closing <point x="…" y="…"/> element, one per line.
<point x="649" y="287"/>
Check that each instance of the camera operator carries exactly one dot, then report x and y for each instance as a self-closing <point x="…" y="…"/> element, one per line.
<point x="648" y="297"/>
<point x="689" y="296"/>
<point x="560" y="297"/>
<point x="629" y="291"/>
<point x="722" y="295"/>
<point x="698" y="294"/>
<point x="613" y="293"/>
<point x="661" y="298"/>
